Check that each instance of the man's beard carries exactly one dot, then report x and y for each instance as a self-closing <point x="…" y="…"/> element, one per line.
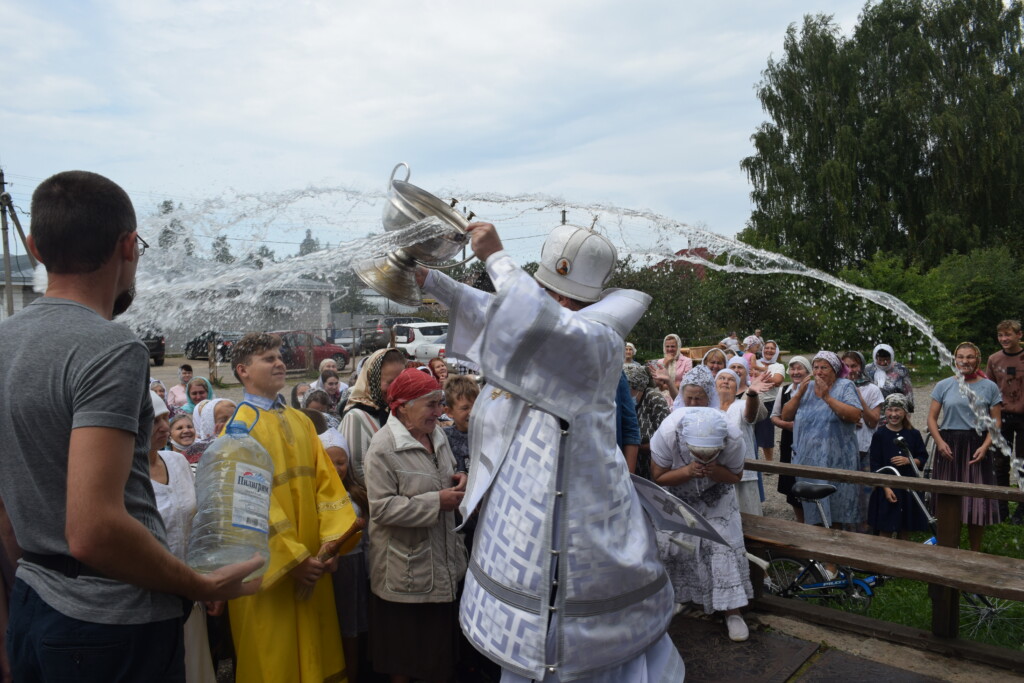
<point x="124" y="301"/>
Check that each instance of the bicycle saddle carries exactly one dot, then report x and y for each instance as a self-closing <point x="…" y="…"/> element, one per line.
<point x="803" y="489"/>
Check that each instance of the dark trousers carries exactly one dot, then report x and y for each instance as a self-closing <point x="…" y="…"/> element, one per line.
<point x="45" y="645"/>
<point x="1013" y="431"/>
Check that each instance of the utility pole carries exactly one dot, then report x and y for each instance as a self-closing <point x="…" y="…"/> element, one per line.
<point x="7" y="207"/>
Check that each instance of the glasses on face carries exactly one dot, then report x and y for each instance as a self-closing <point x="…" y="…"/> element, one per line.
<point x="141" y="244"/>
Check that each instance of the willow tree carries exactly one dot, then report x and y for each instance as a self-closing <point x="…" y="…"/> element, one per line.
<point x="904" y="137"/>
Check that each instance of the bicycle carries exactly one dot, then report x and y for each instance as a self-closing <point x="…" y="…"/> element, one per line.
<point x="789" y="577"/>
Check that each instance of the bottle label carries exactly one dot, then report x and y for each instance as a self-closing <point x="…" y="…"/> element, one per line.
<point x="251" y="500"/>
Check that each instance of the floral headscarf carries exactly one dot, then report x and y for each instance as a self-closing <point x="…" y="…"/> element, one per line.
<point x="367" y="388"/>
<point x="700" y="376"/>
<point x="637" y="377"/>
<point x="833" y="360"/>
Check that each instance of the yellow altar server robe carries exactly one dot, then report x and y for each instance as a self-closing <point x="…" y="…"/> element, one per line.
<point x="278" y="638"/>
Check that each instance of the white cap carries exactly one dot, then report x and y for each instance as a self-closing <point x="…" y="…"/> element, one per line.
<point x="159" y="407"/>
<point x="576" y="262"/>
<point x="703" y="427"/>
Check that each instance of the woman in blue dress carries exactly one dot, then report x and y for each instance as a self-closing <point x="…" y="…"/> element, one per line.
<point x="824" y="412"/>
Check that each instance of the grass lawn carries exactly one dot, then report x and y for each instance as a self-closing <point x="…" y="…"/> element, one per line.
<point x="906" y="602"/>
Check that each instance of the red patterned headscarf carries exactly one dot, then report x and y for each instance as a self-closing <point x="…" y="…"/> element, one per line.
<point x="410" y="385"/>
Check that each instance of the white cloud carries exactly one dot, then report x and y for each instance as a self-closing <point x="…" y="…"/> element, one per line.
<point x="646" y="104"/>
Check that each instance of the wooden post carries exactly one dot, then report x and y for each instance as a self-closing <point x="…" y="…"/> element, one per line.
<point x="945" y="600"/>
<point x="211" y="349"/>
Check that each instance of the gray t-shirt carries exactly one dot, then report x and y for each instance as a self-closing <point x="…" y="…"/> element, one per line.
<point x="956" y="410"/>
<point x="65" y="367"/>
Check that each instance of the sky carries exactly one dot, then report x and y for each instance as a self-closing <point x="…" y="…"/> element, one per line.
<point x="233" y="107"/>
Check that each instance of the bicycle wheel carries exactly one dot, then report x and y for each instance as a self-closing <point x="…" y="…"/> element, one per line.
<point x="787" y="577"/>
<point x="854" y="597"/>
<point x="991" y="618"/>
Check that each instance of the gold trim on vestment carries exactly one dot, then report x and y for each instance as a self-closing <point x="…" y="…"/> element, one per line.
<point x="271" y="579"/>
<point x="280" y="527"/>
<point x="292" y="473"/>
<point x="340" y="677"/>
<point x="334" y="504"/>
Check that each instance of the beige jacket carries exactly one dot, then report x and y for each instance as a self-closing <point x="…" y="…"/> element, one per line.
<point x="415" y="554"/>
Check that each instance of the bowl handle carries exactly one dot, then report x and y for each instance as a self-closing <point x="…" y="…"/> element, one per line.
<point x="450" y="265"/>
<point x="408" y="172"/>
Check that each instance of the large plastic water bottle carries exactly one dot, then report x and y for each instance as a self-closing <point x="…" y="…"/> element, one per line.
<point x="233" y="484"/>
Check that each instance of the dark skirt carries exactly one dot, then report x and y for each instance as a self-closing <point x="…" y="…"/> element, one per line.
<point x="764" y="430"/>
<point x="414" y="639"/>
<point x="903" y="515"/>
<point x="351" y="594"/>
<point x="963" y="443"/>
<point x="785" y="485"/>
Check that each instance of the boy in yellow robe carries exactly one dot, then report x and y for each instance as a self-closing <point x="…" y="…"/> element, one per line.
<point x="279" y="635"/>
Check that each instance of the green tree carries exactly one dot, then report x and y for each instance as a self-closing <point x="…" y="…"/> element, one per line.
<point x="259" y="258"/>
<point x="221" y="250"/>
<point x="904" y="137"/>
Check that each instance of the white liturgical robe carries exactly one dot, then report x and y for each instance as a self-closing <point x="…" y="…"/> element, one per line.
<point x="564" y="583"/>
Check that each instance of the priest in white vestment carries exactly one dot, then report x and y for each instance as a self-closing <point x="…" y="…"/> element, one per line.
<point x="564" y="583"/>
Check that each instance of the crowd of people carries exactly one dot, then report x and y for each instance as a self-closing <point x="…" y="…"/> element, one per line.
<point x="415" y="501"/>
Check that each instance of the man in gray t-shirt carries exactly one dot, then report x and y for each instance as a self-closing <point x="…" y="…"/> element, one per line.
<point x="97" y="595"/>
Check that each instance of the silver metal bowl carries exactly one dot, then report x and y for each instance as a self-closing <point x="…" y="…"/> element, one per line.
<point x="408" y="204"/>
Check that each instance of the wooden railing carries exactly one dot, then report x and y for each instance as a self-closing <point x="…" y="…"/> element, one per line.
<point x="962" y="569"/>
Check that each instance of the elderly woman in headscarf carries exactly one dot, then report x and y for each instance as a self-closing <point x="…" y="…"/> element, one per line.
<point x="888" y="375"/>
<point x="630" y="357"/>
<point x="871" y="408"/>
<point x="198" y="389"/>
<point x="670" y="369"/>
<point x="651" y="410"/>
<point x="825" y="412"/>
<point x="961" y="441"/>
<point x="697" y="390"/>
<point x="209" y="418"/>
<point x="367" y="407"/>
<point x="764" y="430"/>
<point x="799" y="371"/>
<point x="416" y="556"/>
<point x="743" y="407"/>
<point x="183" y="431"/>
<point x="699" y="457"/>
<point x="158" y="388"/>
<point x="175" y="493"/>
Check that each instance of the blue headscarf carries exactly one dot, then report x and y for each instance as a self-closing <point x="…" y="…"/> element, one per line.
<point x="189" y="405"/>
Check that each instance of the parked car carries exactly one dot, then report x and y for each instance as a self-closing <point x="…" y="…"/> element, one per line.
<point x="351" y="339"/>
<point x="411" y="335"/>
<point x="377" y="331"/>
<point x="155" y="342"/>
<point x="438" y="349"/>
<point x="432" y="349"/>
<point x="197" y="348"/>
<point x="296" y="342"/>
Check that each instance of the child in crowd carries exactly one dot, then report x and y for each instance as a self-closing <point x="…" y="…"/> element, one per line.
<point x="277" y="636"/>
<point x="896" y="510"/>
<point x="460" y="394"/>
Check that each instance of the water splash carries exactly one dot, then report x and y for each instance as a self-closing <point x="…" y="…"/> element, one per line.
<point x="175" y="289"/>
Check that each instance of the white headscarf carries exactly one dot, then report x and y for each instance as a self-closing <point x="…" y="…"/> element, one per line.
<point x="204" y="420"/>
<point x="774" y="359"/>
<point x="333" y="438"/>
<point x="879" y="374"/>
